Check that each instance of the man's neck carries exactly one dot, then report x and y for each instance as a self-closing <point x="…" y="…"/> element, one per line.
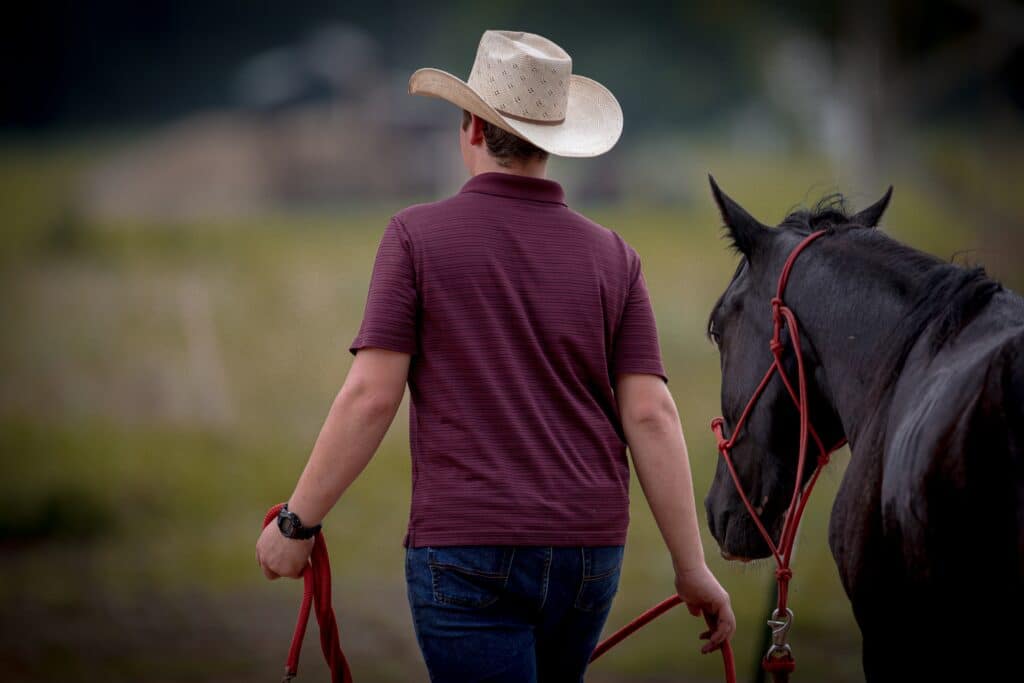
<point x="531" y="169"/>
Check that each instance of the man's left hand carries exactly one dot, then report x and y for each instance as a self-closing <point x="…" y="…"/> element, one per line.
<point x="279" y="556"/>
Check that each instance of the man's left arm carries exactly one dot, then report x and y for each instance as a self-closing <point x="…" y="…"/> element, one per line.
<point x="359" y="417"/>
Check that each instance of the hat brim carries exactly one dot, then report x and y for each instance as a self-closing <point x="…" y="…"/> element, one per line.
<point x="593" y="117"/>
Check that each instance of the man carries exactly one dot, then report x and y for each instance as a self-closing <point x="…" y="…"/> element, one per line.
<point x="527" y="339"/>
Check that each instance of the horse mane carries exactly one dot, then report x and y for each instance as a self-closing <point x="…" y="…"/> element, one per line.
<point x="947" y="297"/>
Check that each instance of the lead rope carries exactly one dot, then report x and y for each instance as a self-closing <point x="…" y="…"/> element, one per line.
<point x="649" y="616"/>
<point x="316" y="593"/>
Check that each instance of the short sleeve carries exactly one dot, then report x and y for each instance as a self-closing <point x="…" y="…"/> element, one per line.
<point x="635" y="348"/>
<point x="389" y="319"/>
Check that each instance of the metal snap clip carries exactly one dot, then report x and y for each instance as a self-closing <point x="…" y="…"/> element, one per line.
<point x="780" y="631"/>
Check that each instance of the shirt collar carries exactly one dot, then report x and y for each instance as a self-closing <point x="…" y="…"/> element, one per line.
<point x="516" y="186"/>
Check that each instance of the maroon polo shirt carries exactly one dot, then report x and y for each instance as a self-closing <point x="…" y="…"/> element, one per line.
<point x="518" y="313"/>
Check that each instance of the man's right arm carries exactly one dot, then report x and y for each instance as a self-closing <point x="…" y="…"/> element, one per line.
<point x="658" y="448"/>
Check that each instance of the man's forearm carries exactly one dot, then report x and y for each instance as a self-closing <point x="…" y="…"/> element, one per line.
<point x="663" y="469"/>
<point x="354" y="428"/>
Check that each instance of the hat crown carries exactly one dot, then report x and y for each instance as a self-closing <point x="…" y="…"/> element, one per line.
<point x="522" y="75"/>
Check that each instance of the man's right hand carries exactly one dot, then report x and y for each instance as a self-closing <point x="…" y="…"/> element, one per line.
<point x="702" y="593"/>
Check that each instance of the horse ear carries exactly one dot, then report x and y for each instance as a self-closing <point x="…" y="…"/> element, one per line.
<point x="745" y="230"/>
<point x="870" y="216"/>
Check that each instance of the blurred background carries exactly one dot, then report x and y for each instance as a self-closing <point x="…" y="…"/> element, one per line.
<point x="191" y="195"/>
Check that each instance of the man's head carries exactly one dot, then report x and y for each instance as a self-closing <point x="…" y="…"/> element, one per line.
<point x="484" y="145"/>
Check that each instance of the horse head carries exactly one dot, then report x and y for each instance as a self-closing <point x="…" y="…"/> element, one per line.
<point x="741" y="326"/>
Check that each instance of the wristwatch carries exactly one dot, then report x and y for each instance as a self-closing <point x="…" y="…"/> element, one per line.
<point x="291" y="526"/>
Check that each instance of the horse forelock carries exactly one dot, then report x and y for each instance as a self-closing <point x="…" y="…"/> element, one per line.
<point x="830" y="213"/>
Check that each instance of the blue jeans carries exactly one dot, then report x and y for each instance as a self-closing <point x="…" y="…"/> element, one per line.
<point x="510" y="614"/>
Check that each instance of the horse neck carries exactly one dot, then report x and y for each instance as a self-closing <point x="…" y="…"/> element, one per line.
<point x="847" y="308"/>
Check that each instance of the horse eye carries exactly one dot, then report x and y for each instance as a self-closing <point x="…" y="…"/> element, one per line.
<point x="716" y="339"/>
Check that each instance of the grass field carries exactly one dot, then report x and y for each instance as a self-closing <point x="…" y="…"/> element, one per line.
<point x="162" y="385"/>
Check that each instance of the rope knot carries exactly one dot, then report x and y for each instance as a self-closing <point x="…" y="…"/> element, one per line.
<point x="784" y="574"/>
<point x="824" y="459"/>
<point x="718" y="428"/>
<point x="776" y="346"/>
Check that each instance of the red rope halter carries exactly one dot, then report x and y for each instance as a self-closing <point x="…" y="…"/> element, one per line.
<point x="779" y="658"/>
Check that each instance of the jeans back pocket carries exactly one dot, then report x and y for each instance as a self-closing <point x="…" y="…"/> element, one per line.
<point x="470" y="576"/>
<point x="602" y="566"/>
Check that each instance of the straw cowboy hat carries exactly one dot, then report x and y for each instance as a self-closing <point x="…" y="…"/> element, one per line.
<point x="523" y="83"/>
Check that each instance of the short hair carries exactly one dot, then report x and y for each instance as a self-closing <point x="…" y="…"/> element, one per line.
<point x="504" y="146"/>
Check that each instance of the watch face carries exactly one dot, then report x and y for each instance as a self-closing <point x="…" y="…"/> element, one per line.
<point x="287" y="525"/>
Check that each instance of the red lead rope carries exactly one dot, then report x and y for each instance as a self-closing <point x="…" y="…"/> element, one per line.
<point x="779" y="658"/>
<point x="649" y="616"/>
<point x="316" y="593"/>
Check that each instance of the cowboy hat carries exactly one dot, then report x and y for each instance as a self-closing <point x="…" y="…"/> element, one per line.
<point x="523" y="83"/>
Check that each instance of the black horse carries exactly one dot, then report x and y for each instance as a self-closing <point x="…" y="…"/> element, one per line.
<point x="920" y="364"/>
